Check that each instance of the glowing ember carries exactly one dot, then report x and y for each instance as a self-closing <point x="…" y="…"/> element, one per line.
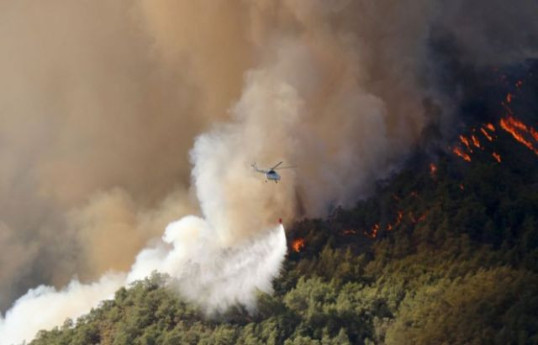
<point x="422" y="217"/>
<point x="519" y="83"/>
<point x="475" y="141"/>
<point x="486" y="134"/>
<point x="373" y="232"/>
<point x="349" y="232"/>
<point x="519" y="130"/>
<point x="458" y="152"/>
<point x="491" y="127"/>
<point x="298" y="244"/>
<point x="433" y="169"/>
<point x="496" y="156"/>
<point x="509" y="98"/>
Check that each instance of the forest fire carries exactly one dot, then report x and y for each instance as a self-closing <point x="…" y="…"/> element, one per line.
<point x="458" y="152"/>
<point x="476" y="143"/>
<point x="298" y="244"/>
<point x="520" y="132"/>
<point x="524" y="134"/>
<point x="486" y="134"/>
<point x="397" y="222"/>
<point x="373" y="232"/>
<point x="466" y="142"/>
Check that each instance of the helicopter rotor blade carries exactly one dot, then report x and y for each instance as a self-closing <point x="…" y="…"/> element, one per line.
<point x="256" y="169"/>
<point x="288" y="167"/>
<point x="273" y="168"/>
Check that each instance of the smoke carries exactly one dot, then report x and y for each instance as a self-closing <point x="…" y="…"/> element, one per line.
<point x="45" y="307"/>
<point x="491" y="32"/>
<point x="100" y="104"/>
<point x="222" y="276"/>
<point x="86" y="111"/>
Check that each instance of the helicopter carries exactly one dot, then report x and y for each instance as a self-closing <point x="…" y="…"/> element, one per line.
<point x="271" y="174"/>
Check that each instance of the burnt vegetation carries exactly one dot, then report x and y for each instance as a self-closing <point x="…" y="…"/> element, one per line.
<point x="445" y="252"/>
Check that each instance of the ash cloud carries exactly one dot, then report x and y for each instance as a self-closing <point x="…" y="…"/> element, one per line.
<point x="101" y="103"/>
<point x="87" y="114"/>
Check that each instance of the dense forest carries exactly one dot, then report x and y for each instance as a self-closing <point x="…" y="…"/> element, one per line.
<point x="444" y="252"/>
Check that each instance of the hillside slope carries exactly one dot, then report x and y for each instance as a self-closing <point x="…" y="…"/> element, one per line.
<point x="445" y="252"/>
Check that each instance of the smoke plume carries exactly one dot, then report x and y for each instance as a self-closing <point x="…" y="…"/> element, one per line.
<point x="106" y="106"/>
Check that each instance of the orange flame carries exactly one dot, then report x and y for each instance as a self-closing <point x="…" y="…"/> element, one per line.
<point x="373" y="232"/>
<point x="390" y="227"/>
<point x="475" y="141"/>
<point x="433" y="169"/>
<point x="458" y="152"/>
<point x="466" y="142"/>
<point x="491" y="127"/>
<point x="298" y="244"/>
<point x="518" y="129"/>
<point x="486" y="134"/>
<point x="375" y="229"/>
<point x="496" y="156"/>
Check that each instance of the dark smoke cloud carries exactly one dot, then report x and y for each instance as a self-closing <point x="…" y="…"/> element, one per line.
<point x="491" y="32"/>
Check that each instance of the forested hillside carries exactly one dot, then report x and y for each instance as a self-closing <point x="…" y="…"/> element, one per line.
<point x="446" y="251"/>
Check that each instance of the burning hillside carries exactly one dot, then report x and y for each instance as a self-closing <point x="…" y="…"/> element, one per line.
<point x="481" y="137"/>
<point x="482" y="143"/>
<point x="438" y="241"/>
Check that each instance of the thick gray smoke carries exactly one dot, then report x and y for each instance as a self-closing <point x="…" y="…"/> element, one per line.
<point x="101" y="103"/>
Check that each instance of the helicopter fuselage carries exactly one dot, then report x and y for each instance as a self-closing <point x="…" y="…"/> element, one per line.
<point x="272" y="175"/>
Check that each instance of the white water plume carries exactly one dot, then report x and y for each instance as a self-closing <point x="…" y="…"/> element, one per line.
<point x="205" y="273"/>
<point x="212" y="276"/>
